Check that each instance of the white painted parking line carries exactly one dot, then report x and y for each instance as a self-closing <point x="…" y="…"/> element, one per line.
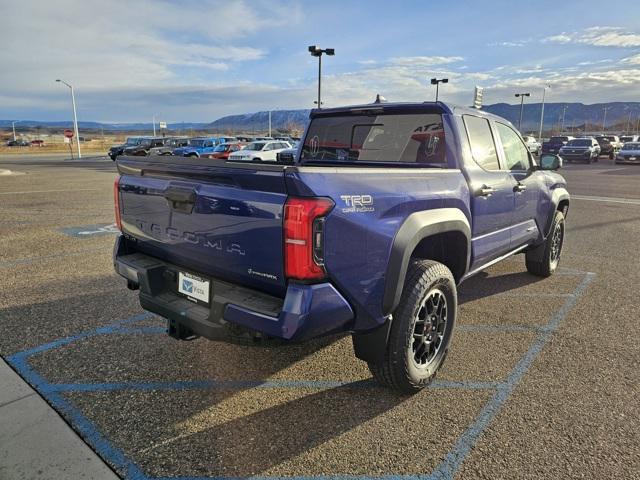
<point x="630" y="201"/>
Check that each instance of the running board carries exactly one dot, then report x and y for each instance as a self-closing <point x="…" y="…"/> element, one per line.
<point x="492" y="262"/>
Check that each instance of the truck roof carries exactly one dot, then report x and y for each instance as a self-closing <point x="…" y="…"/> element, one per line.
<point x="419" y="107"/>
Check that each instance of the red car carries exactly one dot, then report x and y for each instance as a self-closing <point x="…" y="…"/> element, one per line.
<point x="37" y="143"/>
<point x="223" y="150"/>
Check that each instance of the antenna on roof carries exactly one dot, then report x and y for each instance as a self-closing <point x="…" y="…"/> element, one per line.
<point x="380" y="99"/>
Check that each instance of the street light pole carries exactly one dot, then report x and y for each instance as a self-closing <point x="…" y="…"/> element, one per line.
<point x="316" y="51"/>
<point x="75" y="116"/>
<point x="521" y="95"/>
<point x="604" y="119"/>
<point x="437" y="82"/>
<point x="269" y="123"/>
<point x="564" y="109"/>
<point x="154" y="125"/>
<point x="13" y="125"/>
<point x="544" y="91"/>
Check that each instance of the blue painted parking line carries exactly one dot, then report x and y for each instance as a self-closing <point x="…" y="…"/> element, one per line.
<point x="86" y="231"/>
<point x="452" y="462"/>
<point x="446" y="470"/>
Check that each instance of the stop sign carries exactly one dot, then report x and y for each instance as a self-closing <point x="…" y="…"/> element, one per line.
<point x="68" y="133"/>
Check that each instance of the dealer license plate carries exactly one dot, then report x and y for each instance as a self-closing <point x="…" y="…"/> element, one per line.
<point x="195" y="288"/>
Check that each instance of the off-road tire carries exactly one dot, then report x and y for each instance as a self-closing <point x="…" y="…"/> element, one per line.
<point x="399" y="370"/>
<point x="550" y="260"/>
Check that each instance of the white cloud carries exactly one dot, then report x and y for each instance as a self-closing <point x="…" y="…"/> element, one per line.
<point x="601" y="36"/>
<point x="421" y="61"/>
<point x="633" y="60"/>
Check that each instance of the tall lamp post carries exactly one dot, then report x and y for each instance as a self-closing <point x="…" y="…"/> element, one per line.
<point x="544" y="91"/>
<point x="316" y="51"/>
<point x="13" y="125"/>
<point x="75" y="116"/>
<point x="604" y="118"/>
<point x="564" y="109"/>
<point x="521" y="95"/>
<point x="437" y="82"/>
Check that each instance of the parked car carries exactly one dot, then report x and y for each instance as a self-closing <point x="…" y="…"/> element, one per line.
<point x="18" y="143"/>
<point x="143" y="148"/>
<point x="609" y="145"/>
<point x="197" y="146"/>
<point x="295" y="252"/>
<point x="629" y="138"/>
<point x="629" y="153"/>
<point x="581" y="150"/>
<point x="287" y="156"/>
<point x="37" y="143"/>
<point x="554" y="144"/>
<point x="260" y="151"/>
<point x="117" y="150"/>
<point x="170" y="144"/>
<point x="223" y="150"/>
<point x="532" y="144"/>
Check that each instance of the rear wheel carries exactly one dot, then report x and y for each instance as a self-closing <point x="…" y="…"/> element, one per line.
<point x="544" y="259"/>
<point x="421" y="329"/>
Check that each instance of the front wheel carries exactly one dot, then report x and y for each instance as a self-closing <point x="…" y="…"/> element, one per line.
<point x="421" y="328"/>
<point x="544" y="259"/>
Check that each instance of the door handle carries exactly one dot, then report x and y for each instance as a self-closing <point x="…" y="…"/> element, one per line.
<point x="519" y="188"/>
<point x="485" y="191"/>
<point x="180" y="198"/>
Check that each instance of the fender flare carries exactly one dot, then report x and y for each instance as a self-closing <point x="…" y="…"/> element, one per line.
<point x="416" y="227"/>
<point x="559" y="194"/>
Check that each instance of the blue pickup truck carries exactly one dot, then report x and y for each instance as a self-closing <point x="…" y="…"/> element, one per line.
<point x="199" y="146"/>
<point x="368" y="230"/>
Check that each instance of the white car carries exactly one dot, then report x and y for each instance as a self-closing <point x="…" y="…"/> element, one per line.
<point x="265" y="151"/>
<point x="532" y="144"/>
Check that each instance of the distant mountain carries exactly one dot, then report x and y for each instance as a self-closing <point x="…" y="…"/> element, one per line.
<point x="280" y="119"/>
<point x="129" y="127"/>
<point x="576" y="114"/>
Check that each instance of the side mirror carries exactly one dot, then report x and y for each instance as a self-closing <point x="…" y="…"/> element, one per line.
<point x="550" y="162"/>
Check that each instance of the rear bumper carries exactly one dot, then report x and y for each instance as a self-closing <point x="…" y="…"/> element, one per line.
<point x="307" y="311"/>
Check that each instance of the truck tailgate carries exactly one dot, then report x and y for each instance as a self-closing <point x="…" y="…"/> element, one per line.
<point x="210" y="217"/>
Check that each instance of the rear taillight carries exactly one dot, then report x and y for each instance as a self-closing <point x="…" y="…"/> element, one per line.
<point x="116" y="201"/>
<point x="304" y="237"/>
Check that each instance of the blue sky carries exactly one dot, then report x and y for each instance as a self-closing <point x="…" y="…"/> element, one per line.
<point x="199" y="60"/>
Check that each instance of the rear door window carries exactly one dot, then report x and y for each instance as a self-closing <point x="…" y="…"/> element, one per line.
<point x="483" y="148"/>
<point x="376" y="138"/>
<point x="516" y="154"/>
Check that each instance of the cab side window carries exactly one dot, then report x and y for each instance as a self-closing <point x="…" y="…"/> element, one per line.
<point x="483" y="148"/>
<point x="516" y="154"/>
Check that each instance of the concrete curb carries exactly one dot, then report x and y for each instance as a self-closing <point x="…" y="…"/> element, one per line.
<point x="35" y="442"/>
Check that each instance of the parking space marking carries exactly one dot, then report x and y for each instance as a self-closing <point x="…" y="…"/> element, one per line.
<point x="86" y="231"/>
<point x="447" y="469"/>
<point x="630" y="201"/>
<point x="452" y="462"/>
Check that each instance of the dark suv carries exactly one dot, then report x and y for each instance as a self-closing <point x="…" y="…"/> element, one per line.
<point x="554" y="144"/>
<point x="609" y="145"/>
<point x="581" y="150"/>
<point x="142" y="148"/>
<point x="169" y="145"/>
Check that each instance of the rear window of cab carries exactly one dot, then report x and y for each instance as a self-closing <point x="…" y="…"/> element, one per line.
<point x="416" y="139"/>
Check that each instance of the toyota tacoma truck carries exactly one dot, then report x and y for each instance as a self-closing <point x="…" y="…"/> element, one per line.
<point x="385" y="209"/>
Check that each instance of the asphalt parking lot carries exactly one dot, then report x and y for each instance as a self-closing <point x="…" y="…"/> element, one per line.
<point x="542" y="380"/>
